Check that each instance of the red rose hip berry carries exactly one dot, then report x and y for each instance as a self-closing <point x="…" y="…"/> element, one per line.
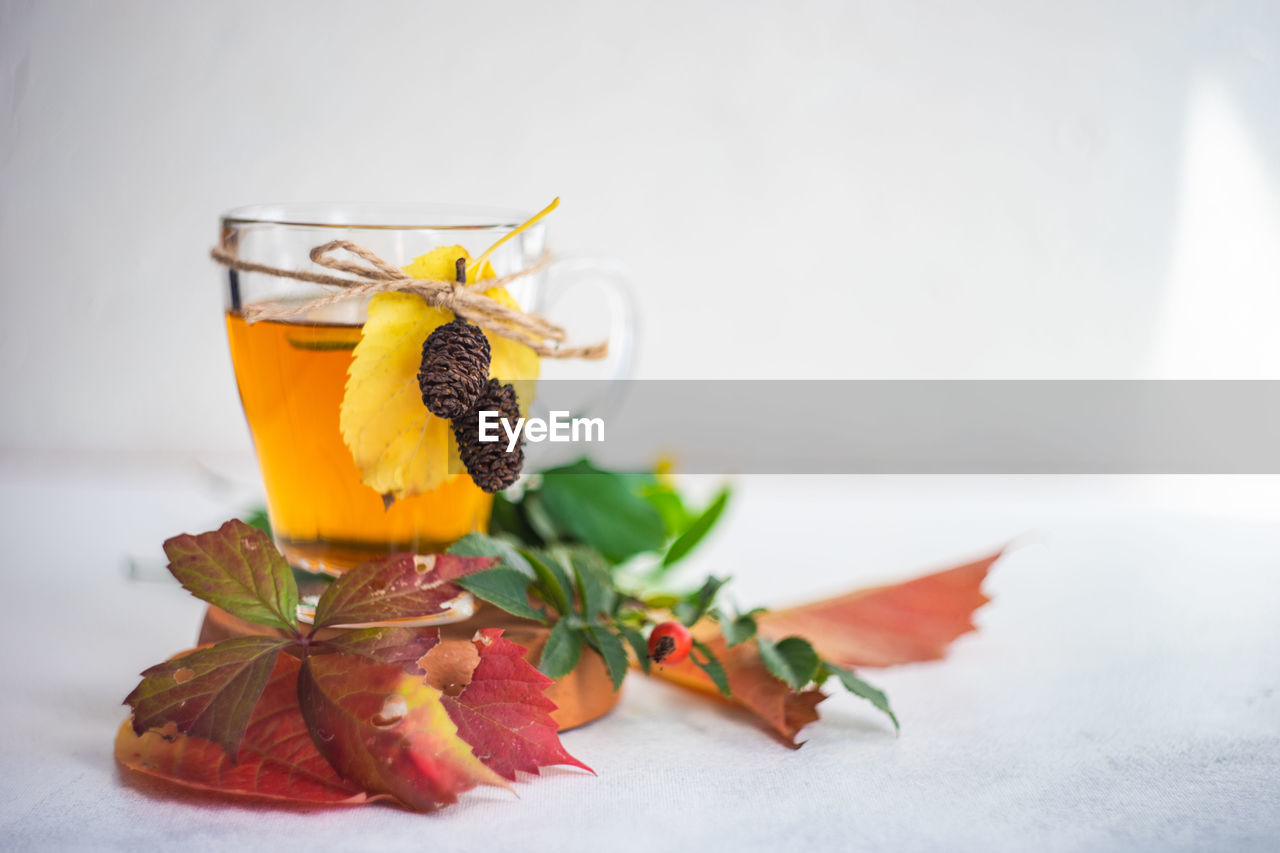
<point x="669" y="642"/>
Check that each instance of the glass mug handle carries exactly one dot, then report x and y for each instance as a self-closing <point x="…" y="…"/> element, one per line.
<point x="569" y="272"/>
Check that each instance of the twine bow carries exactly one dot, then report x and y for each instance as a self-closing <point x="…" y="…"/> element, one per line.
<point x="377" y="276"/>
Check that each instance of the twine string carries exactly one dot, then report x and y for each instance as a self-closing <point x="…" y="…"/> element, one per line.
<point x="373" y="275"/>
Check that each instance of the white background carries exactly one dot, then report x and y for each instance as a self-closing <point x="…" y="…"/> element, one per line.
<point x="802" y="189"/>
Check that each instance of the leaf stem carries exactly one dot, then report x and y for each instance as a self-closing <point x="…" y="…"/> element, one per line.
<point x="477" y="265"/>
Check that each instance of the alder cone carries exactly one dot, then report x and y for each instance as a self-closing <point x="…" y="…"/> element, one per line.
<point x="455" y="366"/>
<point x="488" y="462"/>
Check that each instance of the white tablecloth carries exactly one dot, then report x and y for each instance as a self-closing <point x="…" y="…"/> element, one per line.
<point x="1121" y="692"/>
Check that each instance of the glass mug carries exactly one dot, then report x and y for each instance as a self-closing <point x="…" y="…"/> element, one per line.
<point x="292" y="373"/>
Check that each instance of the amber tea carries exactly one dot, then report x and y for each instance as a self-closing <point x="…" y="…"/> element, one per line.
<point x="291" y="378"/>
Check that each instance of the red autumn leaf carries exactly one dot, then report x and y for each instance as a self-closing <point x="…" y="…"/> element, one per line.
<point x="503" y="713"/>
<point x="786" y="711"/>
<point x="883" y="626"/>
<point x="401" y="586"/>
<point x="402" y="647"/>
<point x="278" y="761"/>
<point x="387" y="731"/>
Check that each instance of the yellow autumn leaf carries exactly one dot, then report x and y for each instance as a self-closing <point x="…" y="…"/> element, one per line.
<point x="433" y="744"/>
<point x="400" y="448"/>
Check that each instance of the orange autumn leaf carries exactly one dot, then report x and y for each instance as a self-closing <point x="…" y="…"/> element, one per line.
<point x="277" y="759"/>
<point x="901" y="623"/>
<point x="786" y="711"/>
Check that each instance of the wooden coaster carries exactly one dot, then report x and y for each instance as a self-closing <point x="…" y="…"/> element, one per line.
<point x="580" y="697"/>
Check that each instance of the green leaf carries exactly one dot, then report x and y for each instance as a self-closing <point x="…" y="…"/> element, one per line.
<point x="689" y="539"/>
<point x="599" y="509"/>
<point x="667" y="501"/>
<point x="400" y="586"/>
<point x="209" y="693"/>
<point x="507" y="519"/>
<point x="638" y="644"/>
<point x="792" y="660"/>
<point x="552" y="581"/>
<point x="610" y="647"/>
<point x="479" y="545"/>
<point x="695" y="606"/>
<point x="597" y="596"/>
<point x="539" y="519"/>
<point x="586" y="555"/>
<point x="554" y="563"/>
<point x="858" y="687"/>
<point x="238" y="569"/>
<point x="706" y="660"/>
<point x="739" y="629"/>
<point x="562" y="651"/>
<point x="637" y="481"/>
<point x="505" y="588"/>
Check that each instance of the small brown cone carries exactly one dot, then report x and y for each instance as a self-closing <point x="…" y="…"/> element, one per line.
<point x="455" y="365"/>
<point x="488" y="462"/>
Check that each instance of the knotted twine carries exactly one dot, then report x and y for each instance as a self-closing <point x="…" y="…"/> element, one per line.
<point x="377" y="276"/>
